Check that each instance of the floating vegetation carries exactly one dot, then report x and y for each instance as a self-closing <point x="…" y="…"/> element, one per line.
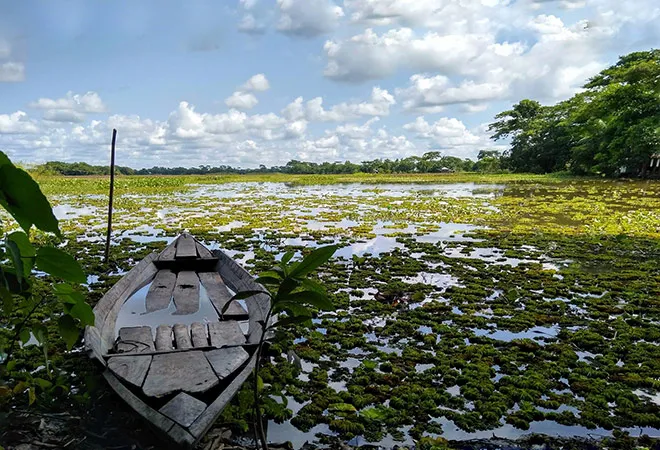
<point x="513" y="306"/>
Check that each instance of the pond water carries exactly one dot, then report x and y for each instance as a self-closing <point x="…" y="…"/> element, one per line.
<point x="482" y="296"/>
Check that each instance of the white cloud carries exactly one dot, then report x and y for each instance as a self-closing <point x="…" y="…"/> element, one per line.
<point x="430" y="94"/>
<point x="308" y="18"/>
<point x="371" y="56"/>
<point x="70" y="108"/>
<point x="448" y="133"/>
<point x="17" y="123"/>
<point x="64" y="115"/>
<point x="241" y="100"/>
<point x="12" y="72"/>
<point x="378" y="105"/>
<point x="452" y="16"/>
<point x="258" y="83"/>
<point x="249" y="24"/>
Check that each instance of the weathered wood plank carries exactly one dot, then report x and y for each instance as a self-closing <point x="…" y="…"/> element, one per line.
<point x="135" y="340"/>
<point x="150" y="414"/>
<point x="169" y="251"/>
<point x="186" y="293"/>
<point x="183" y="409"/>
<point x="208" y="417"/>
<point x="164" y="338"/>
<point x="185" y="247"/>
<point x="183" y="371"/>
<point x="160" y="291"/>
<point x="93" y="344"/>
<point x="226" y="361"/>
<point x="238" y="279"/>
<point x="219" y="295"/>
<point x="181" y="436"/>
<point x="227" y="332"/>
<point x="202" y="251"/>
<point x="132" y="369"/>
<point x="182" y="336"/>
<point x="194" y="264"/>
<point x="107" y="309"/>
<point x="199" y="338"/>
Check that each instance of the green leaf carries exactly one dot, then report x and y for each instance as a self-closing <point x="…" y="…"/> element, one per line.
<point x="313" y="260"/>
<point x="292" y="308"/>
<point x="374" y="413"/>
<point x="32" y="395"/>
<point x="16" y="258"/>
<point x="342" y="407"/>
<point x="312" y="285"/>
<point x="260" y="384"/>
<point x="60" y="264"/>
<point x="24" y="335"/>
<point x="316" y="299"/>
<point x="268" y="280"/>
<point x="272" y="274"/>
<point x="8" y="302"/>
<point x="83" y="312"/>
<point x="68" y="294"/>
<point x="288" y="285"/>
<point x="287" y="257"/>
<point x="21" y="196"/>
<point x="26" y="249"/>
<point x="43" y="384"/>
<point x="290" y="320"/>
<point x="40" y="333"/>
<point x="69" y="330"/>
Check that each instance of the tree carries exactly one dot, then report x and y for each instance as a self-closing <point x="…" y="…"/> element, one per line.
<point x="616" y="121"/>
<point x="488" y="161"/>
<point x="612" y="127"/>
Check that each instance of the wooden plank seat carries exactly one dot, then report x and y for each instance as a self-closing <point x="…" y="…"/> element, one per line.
<point x="134" y="340"/>
<point x="184" y="289"/>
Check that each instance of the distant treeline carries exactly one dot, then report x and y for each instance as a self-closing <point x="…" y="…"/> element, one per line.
<point x="430" y="162"/>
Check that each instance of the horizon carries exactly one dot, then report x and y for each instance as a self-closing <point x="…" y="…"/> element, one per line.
<point x="254" y="82"/>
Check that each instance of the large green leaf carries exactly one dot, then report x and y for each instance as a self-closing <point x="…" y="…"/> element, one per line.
<point x="83" y="312"/>
<point x="59" y="264"/>
<point x="69" y="330"/>
<point x="26" y="249"/>
<point x="314" y="298"/>
<point x="313" y="260"/>
<point x="16" y="258"/>
<point x="21" y="196"/>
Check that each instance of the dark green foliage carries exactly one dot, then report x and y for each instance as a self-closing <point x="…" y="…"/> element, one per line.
<point x="611" y="128"/>
<point x="23" y="299"/>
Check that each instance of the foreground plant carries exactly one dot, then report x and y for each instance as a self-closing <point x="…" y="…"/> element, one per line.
<point x="293" y="298"/>
<point x="22" y="198"/>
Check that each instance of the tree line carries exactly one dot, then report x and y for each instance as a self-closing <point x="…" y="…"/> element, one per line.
<point x="611" y="128"/>
<point x="430" y="162"/>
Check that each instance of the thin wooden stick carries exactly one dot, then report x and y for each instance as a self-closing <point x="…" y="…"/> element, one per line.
<point x="112" y="188"/>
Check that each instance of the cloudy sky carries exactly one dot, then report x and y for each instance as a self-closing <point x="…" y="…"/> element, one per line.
<point x="262" y="82"/>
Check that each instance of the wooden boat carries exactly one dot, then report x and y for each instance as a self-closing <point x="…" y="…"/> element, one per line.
<point x="181" y="380"/>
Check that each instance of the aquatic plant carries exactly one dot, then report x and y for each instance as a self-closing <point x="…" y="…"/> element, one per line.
<point x="292" y="295"/>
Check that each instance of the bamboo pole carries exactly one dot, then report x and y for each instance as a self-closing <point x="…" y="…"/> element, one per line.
<point x="112" y="188"/>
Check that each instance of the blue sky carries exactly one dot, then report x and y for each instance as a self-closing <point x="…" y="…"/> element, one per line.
<point x="256" y="81"/>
